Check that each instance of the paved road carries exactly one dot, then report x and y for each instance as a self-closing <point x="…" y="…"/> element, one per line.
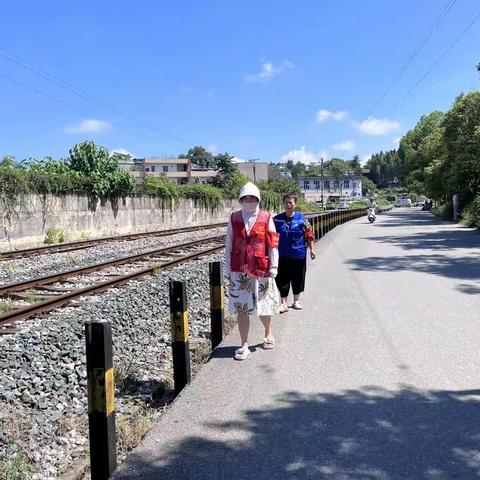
<point x="378" y="378"/>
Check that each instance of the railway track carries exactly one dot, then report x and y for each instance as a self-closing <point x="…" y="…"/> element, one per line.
<point x="40" y="295"/>
<point x="82" y="244"/>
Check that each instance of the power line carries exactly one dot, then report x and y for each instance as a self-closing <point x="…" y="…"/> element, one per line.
<point x="42" y="73"/>
<point x="413" y="55"/>
<point x="435" y="63"/>
<point x="38" y="92"/>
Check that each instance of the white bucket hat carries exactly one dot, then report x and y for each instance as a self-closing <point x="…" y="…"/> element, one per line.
<point x="249" y="189"/>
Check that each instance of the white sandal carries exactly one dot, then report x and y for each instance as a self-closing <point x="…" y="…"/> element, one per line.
<point x="242" y="353"/>
<point x="268" y="343"/>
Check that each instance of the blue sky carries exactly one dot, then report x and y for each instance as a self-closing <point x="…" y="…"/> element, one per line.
<point x="269" y="80"/>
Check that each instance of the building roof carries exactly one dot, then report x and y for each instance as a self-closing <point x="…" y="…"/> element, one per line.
<point x="167" y="161"/>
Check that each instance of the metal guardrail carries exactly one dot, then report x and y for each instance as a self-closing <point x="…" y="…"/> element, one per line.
<point x="322" y="223"/>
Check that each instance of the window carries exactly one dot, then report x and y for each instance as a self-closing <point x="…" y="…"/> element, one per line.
<point x="306" y="184"/>
<point x="147" y="169"/>
<point x="165" y="169"/>
<point x="317" y="184"/>
<point x="336" y="184"/>
<point x="326" y="184"/>
<point x="153" y="168"/>
<point x="346" y="184"/>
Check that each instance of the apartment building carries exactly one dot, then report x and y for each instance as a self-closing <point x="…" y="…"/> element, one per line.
<point x="332" y="188"/>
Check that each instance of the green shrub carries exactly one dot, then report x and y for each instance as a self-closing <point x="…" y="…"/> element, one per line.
<point x="160" y="187"/>
<point x="54" y="235"/>
<point x="444" y="211"/>
<point x="271" y="201"/>
<point x="471" y="214"/>
<point x="208" y="195"/>
<point x="359" y="204"/>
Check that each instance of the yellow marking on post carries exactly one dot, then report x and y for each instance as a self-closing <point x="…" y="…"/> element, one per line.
<point x="180" y="326"/>
<point x="216" y="297"/>
<point x="101" y="391"/>
<point x="109" y="392"/>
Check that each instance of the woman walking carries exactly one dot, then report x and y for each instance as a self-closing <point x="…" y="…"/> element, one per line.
<point x="251" y="262"/>
<point x="295" y="234"/>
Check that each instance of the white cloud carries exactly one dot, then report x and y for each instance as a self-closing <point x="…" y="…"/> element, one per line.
<point x="396" y="141"/>
<point x="323" y="115"/>
<point x="305" y="156"/>
<point x="213" y="149"/>
<point x="123" y="151"/>
<point x="89" y="126"/>
<point x="377" y="126"/>
<point x="268" y="71"/>
<point x="346" y="146"/>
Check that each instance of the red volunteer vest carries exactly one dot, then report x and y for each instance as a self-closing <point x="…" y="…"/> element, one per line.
<point x="250" y="252"/>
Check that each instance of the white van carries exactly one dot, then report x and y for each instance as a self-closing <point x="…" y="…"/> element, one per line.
<point x="404" y="202"/>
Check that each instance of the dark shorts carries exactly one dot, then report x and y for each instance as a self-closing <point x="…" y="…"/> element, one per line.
<point x="291" y="271"/>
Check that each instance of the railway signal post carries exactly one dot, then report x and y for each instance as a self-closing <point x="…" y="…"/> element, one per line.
<point x="101" y="402"/>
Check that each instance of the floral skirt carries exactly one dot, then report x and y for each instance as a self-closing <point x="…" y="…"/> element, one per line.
<point x="255" y="296"/>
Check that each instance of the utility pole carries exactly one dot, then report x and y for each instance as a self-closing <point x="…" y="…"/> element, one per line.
<point x="321" y="177"/>
<point x="253" y="160"/>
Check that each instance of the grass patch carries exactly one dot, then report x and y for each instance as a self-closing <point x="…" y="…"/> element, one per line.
<point x="131" y="430"/>
<point x="5" y="307"/>
<point x="17" y="467"/>
<point x="54" y="235"/>
<point x="124" y="371"/>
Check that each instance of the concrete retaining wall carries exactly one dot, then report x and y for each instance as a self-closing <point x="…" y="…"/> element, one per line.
<point x="81" y="216"/>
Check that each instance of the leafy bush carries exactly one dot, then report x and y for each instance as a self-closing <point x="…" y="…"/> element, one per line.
<point x="54" y="235"/>
<point x="208" y="195"/>
<point x="160" y="187"/>
<point x="471" y="214"/>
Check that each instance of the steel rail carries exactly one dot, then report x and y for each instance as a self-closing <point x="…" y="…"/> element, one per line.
<point x="81" y="244"/>
<point x="50" y="304"/>
<point x="36" y="282"/>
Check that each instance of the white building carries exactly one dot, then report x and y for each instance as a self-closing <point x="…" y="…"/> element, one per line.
<point x="333" y="189"/>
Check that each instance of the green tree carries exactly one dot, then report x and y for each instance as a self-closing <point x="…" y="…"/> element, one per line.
<point x="354" y="165"/>
<point x="462" y="146"/>
<point x="336" y="167"/>
<point x="201" y="157"/>
<point x="94" y="162"/>
<point x="368" y="187"/>
<point x="280" y="185"/>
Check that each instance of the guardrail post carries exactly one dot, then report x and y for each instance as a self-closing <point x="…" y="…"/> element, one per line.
<point x="216" y="303"/>
<point x="101" y="400"/>
<point x="180" y="344"/>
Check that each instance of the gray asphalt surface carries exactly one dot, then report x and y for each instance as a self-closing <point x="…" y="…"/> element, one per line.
<point x="377" y="378"/>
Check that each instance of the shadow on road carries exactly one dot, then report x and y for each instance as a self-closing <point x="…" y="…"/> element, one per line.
<point x="359" y="434"/>
<point x="408" y="217"/>
<point x="439" y="240"/>
<point x="464" y="268"/>
<point x="447" y="240"/>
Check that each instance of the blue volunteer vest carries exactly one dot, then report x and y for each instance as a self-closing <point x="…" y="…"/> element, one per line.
<point x="292" y="240"/>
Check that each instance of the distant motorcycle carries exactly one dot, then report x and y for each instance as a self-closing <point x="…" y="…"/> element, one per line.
<point x="371" y="215"/>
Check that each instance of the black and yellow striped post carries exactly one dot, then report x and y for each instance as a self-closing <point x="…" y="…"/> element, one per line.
<point x="180" y="344"/>
<point x="101" y="400"/>
<point x="216" y="303"/>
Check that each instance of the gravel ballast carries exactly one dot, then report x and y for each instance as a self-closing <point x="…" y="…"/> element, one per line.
<point x="43" y="403"/>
